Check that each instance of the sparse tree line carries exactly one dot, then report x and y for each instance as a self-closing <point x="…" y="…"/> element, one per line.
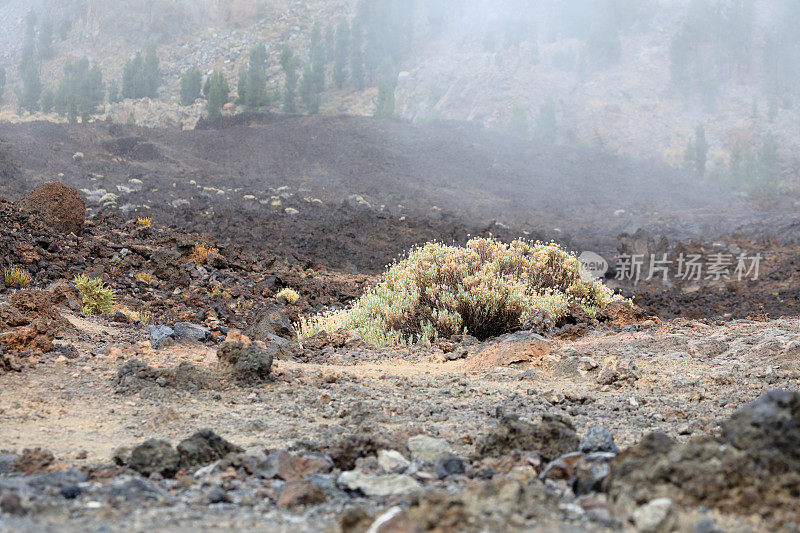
<point x="719" y="40"/>
<point x="753" y="164"/>
<point x="81" y="89"/>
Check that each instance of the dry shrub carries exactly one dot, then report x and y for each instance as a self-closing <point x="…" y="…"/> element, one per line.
<point x="485" y="288"/>
<point x="290" y="295"/>
<point x="16" y="276"/>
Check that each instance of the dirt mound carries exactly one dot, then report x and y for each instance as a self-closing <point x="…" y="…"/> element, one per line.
<point x="58" y="206"/>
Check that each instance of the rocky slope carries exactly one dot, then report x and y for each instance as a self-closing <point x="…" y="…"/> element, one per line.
<point x="636" y="424"/>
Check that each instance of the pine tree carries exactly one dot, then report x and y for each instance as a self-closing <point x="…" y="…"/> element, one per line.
<point x="308" y="91"/>
<point x="768" y="173"/>
<point x="113" y="93"/>
<point x="46" y="39"/>
<point x="289" y="66"/>
<point x="151" y="72"/>
<point x="386" y="86"/>
<point x="31" y="88"/>
<point x="134" y="83"/>
<point x="701" y="149"/>
<point x="318" y="59"/>
<point x="330" y="43"/>
<point x="518" y="124"/>
<point x="191" y="86"/>
<point x="216" y="92"/>
<point x="253" y="91"/>
<point x="48" y="100"/>
<point x="80" y="91"/>
<point x="357" y="58"/>
<point x="341" y="54"/>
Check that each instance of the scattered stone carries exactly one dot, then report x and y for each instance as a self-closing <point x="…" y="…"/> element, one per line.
<point x="271" y="320"/>
<point x="425" y="448"/>
<point x="32" y="461"/>
<point x="160" y="336"/>
<point x="618" y="371"/>
<point x="217" y="495"/>
<point x="288" y="467"/>
<point x="379" y="486"/>
<point x="392" y="461"/>
<point x="301" y="492"/>
<point x="657" y="516"/>
<point x="519" y="347"/>
<point x="34" y="339"/>
<point x="395" y="520"/>
<point x="185" y="330"/>
<point x="11" y="504"/>
<point x="769" y="428"/>
<point x="448" y="464"/>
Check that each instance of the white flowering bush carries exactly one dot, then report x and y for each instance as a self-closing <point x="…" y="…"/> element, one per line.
<point x="485" y="288"/>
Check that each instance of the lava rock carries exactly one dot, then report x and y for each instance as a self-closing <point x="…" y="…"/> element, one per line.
<point x="379" y="486"/>
<point x="160" y="335"/>
<point x="301" y="492"/>
<point x="185" y="330"/>
<point x="204" y="447"/>
<point x="392" y="461"/>
<point x="248" y="361"/>
<point x="271" y="320"/>
<point x="448" y="464"/>
<point x="155" y="456"/>
<point x="768" y="428"/>
<point x="656" y="516"/>
<point x="11" y="504"/>
<point x="217" y="495"/>
<point x="598" y="439"/>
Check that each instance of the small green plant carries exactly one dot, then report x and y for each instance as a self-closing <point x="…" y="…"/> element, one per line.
<point x="485" y="288"/>
<point x="97" y="298"/>
<point x="16" y="276"/>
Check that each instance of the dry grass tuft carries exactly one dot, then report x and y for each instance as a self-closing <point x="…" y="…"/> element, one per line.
<point x="485" y="288"/>
<point x="200" y="253"/>
<point x="137" y="316"/>
<point x="16" y="277"/>
<point x="146" y="278"/>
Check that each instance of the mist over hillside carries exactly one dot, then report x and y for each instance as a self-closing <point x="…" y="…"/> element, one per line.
<point x="629" y="76"/>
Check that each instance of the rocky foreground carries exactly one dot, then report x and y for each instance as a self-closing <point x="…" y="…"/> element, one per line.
<point x="114" y="435"/>
<point x="206" y="413"/>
